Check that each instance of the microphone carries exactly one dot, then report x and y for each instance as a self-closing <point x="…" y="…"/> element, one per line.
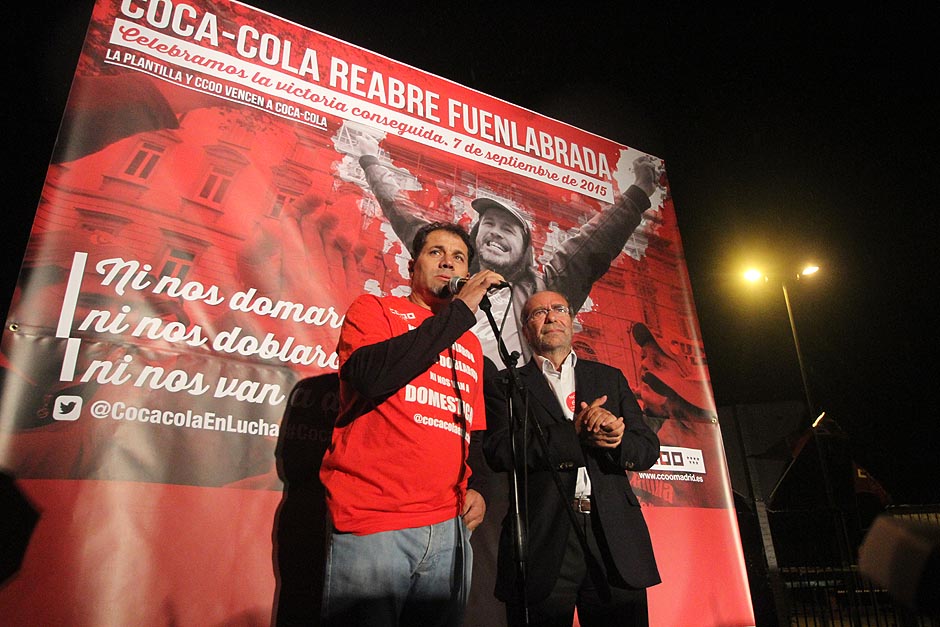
<point x="457" y="282"/>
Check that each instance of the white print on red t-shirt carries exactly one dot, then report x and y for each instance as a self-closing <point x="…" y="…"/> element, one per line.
<point x="447" y="362"/>
<point x="407" y="315"/>
<point x="426" y="396"/>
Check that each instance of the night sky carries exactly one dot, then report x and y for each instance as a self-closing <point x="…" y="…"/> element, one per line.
<point x="788" y="135"/>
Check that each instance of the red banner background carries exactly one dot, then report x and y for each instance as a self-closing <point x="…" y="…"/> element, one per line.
<point x="203" y="225"/>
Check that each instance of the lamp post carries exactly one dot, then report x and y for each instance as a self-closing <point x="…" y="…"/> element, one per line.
<point x="841" y="531"/>
<point x="781" y="603"/>
<point x="796" y="340"/>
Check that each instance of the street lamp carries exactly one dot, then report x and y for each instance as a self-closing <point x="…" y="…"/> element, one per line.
<point x="755" y="275"/>
<point x="842" y="537"/>
<point x="840" y="529"/>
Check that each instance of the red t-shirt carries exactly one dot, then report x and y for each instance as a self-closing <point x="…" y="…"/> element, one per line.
<point x="403" y="462"/>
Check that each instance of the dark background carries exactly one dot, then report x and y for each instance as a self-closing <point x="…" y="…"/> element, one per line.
<point x="788" y="134"/>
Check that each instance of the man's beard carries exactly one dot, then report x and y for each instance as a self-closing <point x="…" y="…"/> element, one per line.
<point x="504" y="266"/>
<point x="442" y="291"/>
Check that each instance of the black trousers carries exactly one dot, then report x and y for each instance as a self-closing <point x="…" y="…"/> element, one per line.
<point x="576" y="588"/>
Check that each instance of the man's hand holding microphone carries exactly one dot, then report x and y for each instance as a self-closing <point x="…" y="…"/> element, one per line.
<point x="472" y="290"/>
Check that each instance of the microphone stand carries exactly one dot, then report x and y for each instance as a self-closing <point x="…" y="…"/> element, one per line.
<point x="519" y="529"/>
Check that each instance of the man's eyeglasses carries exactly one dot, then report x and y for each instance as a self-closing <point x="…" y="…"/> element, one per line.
<point x="541" y="312"/>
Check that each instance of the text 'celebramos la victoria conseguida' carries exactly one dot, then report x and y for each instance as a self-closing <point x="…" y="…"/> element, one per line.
<point x="313" y="72"/>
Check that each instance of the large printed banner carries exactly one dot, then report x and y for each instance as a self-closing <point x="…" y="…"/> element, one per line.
<point x="225" y="182"/>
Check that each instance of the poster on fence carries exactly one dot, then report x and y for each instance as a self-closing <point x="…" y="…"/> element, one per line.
<point x="224" y="183"/>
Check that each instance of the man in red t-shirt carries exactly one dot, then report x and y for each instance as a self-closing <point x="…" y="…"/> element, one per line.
<point x="396" y="473"/>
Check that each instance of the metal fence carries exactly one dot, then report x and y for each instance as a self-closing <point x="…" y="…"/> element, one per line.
<point x="813" y="580"/>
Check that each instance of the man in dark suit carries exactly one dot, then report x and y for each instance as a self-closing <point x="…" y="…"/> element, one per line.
<point x="587" y="545"/>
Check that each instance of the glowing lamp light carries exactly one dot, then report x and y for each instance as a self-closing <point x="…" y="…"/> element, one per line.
<point x="753" y="275"/>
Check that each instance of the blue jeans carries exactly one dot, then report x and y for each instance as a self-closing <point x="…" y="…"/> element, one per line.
<point x="418" y="576"/>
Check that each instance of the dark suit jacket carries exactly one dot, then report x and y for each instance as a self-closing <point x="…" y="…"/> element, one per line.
<point x="613" y="499"/>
